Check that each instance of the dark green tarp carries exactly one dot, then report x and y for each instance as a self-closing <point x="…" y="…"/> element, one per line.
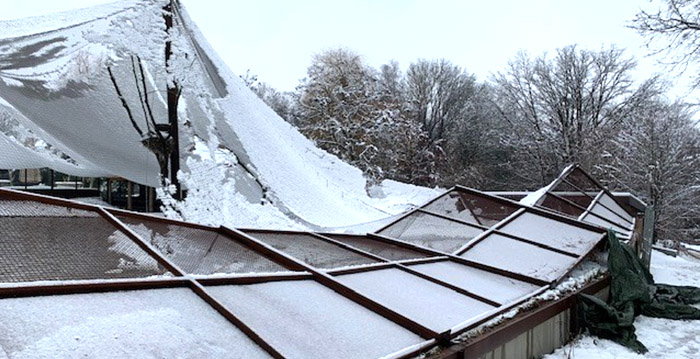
<point x="633" y="292"/>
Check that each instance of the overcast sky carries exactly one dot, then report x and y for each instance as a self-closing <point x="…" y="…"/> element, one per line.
<point x="276" y="40"/>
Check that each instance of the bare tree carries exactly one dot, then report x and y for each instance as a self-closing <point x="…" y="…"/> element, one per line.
<point x="673" y="30"/>
<point x="657" y="156"/>
<point x="438" y="95"/>
<point x="563" y="109"/>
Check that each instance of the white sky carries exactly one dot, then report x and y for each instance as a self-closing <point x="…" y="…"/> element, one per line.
<point x="276" y="39"/>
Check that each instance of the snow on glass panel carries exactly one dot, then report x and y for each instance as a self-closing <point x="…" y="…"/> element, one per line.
<point x="471" y="208"/>
<point x="520" y="257"/>
<point x="385" y="250"/>
<point x="432" y="232"/>
<point x="158" y="323"/>
<point x="311" y="250"/>
<point x="611" y="204"/>
<point x="611" y="216"/>
<point x="489" y="285"/>
<point x="199" y="251"/>
<point x="552" y="233"/>
<point x="69" y="248"/>
<point x="590" y="218"/>
<point x="305" y="320"/>
<point x="432" y="305"/>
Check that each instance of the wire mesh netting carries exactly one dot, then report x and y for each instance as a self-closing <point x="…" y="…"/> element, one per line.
<point x="311" y="250"/>
<point x="58" y="248"/>
<point x="199" y="251"/>
<point x="385" y="250"/>
<point x="21" y="208"/>
<point x="471" y="208"/>
<point x="561" y="206"/>
<point x="433" y="232"/>
<point x="579" y="179"/>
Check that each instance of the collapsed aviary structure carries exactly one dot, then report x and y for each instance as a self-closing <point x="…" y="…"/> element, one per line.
<point x="80" y="279"/>
<point x="130" y="89"/>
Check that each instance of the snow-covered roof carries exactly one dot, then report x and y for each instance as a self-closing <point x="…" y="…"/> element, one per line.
<point x="438" y="271"/>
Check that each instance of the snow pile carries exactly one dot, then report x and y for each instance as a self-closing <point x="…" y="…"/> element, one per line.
<point x="242" y="164"/>
<point x="665" y="338"/>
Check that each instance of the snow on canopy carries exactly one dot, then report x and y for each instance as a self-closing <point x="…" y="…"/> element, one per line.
<point x="242" y="164"/>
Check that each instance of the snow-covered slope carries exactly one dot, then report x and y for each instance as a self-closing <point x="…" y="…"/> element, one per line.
<point x="242" y="164"/>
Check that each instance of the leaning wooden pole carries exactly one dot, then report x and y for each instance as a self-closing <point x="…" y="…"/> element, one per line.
<point x="173" y="91"/>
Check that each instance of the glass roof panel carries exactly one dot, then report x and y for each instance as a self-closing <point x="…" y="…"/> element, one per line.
<point x="158" y="323"/>
<point x="489" y="285"/>
<point x="519" y="257"/>
<point x="552" y="233"/>
<point x="615" y="207"/>
<point x="432" y="232"/>
<point x="304" y="319"/>
<point x="611" y="216"/>
<point x="589" y="218"/>
<point x="427" y="303"/>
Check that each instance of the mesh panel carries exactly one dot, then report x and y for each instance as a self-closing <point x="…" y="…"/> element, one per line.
<point x="561" y="206"/>
<point x="431" y="231"/>
<point x="311" y="250"/>
<point x="580" y="180"/>
<point x="11" y="208"/>
<point x="471" y="208"/>
<point x="382" y="249"/>
<point x="486" y="210"/>
<point x="573" y="194"/>
<point x="199" y="251"/>
<point x="53" y="248"/>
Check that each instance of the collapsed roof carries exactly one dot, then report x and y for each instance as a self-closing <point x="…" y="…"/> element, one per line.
<point x="578" y="195"/>
<point x="60" y="108"/>
<point x="438" y="271"/>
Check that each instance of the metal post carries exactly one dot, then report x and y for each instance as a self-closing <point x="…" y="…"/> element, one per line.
<point x="128" y="195"/>
<point x="173" y="94"/>
<point x="109" y="190"/>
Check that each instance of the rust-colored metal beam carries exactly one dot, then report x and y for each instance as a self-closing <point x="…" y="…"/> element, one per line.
<point x="26" y="196"/>
<point x="17" y="290"/>
<point x="256" y="279"/>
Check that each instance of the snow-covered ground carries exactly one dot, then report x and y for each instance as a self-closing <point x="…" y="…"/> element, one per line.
<point x="664" y="338"/>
